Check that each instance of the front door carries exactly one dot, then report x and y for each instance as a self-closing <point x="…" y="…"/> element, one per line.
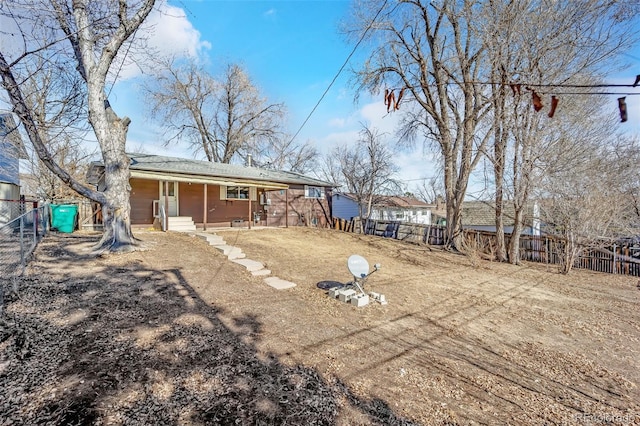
<point x="172" y="197"/>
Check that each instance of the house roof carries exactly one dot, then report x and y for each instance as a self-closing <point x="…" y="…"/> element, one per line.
<point x="157" y="166"/>
<point x="391" y="201"/>
<point x="401" y="202"/>
<point x="483" y="213"/>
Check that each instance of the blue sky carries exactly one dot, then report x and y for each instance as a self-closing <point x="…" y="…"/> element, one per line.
<point x="292" y="49"/>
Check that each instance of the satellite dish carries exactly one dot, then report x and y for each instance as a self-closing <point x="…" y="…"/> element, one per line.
<point x="358" y="266"/>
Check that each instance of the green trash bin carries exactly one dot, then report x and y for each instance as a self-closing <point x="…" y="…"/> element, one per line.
<point x="63" y="217"/>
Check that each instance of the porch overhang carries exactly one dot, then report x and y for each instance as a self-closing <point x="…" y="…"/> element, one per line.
<point x="179" y="177"/>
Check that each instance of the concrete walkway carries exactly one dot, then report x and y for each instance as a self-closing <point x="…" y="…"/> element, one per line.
<point x="236" y="255"/>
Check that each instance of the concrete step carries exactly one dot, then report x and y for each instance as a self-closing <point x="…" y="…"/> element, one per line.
<point x="212" y="239"/>
<point x="278" y="283"/>
<point x="182" y="228"/>
<point x="181" y="224"/>
<point x="178" y="219"/>
<point x="226" y="249"/>
<point x="236" y="255"/>
<point x="251" y="265"/>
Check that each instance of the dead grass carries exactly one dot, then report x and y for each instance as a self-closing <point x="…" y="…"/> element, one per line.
<point x="177" y="334"/>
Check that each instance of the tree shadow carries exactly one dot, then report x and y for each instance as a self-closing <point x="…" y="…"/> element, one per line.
<point x="125" y="344"/>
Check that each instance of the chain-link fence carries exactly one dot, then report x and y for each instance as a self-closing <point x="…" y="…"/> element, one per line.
<point x="11" y="209"/>
<point x="18" y="239"/>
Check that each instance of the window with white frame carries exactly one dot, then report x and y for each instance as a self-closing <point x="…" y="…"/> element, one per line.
<point x="237" y="193"/>
<point x="313" y="192"/>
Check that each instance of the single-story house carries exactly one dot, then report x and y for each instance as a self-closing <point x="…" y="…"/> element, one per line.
<point x="394" y="208"/>
<point x="481" y="216"/>
<point x="11" y="151"/>
<point x="216" y="194"/>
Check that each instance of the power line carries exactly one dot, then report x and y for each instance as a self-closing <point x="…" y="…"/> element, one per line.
<point x="598" y="93"/>
<point x="340" y="70"/>
<point x="133" y="36"/>
<point x="527" y="86"/>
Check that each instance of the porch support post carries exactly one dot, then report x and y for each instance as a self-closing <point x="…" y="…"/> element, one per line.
<point x="204" y="209"/>
<point x="166" y="205"/>
<point x="250" y="208"/>
<point x="286" y="208"/>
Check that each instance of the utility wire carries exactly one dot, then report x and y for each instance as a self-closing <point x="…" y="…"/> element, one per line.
<point x="115" y="80"/>
<point x="526" y="85"/>
<point x="340" y="70"/>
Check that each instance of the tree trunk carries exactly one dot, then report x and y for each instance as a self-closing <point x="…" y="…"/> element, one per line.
<point x="499" y="146"/>
<point x="571" y="251"/>
<point x="112" y="135"/>
<point x="514" y="241"/>
<point x="501" y="252"/>
<point x="116" y="210"/>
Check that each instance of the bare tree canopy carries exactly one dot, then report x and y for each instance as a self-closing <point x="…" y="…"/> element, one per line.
<point x="452" y="62"/>
<point x="588" y="195"/>
<point x="432" y="53"/>
<point x="90" y="34"/>
<point x="528" y="51"/>
<point x="365" y="169"/>
<point x="57" y="100"/>
<point x="225" y="119"/>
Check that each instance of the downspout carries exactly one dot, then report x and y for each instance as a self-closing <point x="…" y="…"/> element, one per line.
<point x="166" y="205"/>
<point x="204" y="209"/>
<point x="250" y="219"/>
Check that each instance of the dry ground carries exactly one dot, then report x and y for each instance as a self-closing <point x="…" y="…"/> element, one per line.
<point x="177" y="334"/>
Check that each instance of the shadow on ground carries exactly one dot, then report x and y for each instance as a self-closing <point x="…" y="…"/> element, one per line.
<point x="92" y="342"/>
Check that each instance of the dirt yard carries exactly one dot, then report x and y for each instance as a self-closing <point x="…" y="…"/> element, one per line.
<point x="178" y="334"/>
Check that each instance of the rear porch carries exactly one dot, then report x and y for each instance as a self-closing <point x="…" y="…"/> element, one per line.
<point x="191" y="205"/>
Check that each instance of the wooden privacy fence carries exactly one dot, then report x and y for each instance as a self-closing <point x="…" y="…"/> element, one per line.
<point x="617" y="259"/>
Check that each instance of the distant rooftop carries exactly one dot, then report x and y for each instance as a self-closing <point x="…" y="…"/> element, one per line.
<point x="392" y="201"/>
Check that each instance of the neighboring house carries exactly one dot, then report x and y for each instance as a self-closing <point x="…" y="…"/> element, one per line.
<point x="481" y="216"/>
<point x="216" y="194"/>
<point x="344" y="206"/>
<point x="401" y="209"/>
<point x="11" y="151"/>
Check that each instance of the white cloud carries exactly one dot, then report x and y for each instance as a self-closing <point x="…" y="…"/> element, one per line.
<point x="337" y="139"/>
<point x="271" y="13"/>
<point x="168" y="32"/>
<point x="337" y="122"/>
<point x="376" y="116"/>
<point x="174" y="33"/>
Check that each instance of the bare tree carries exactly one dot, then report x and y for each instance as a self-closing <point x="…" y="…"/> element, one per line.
<point x="430" y="190"/>
<point x="432" y="53"/>
<point x="528" y="50"/>
<point x="57" y="101"/>
<point x="226" y="119"/>
<point x="588" y="204"/>
<point x="93" y="34"/>
<point x="366" y="169"/>
<point x="286" y="154"/>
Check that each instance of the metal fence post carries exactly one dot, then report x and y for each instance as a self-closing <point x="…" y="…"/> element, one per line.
<point x="35" y="227"/>
<point x="614" y="259"/>
<point x="22" y="256"/>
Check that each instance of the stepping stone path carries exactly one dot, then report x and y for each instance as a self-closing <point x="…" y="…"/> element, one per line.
<point x="236" y="255"/>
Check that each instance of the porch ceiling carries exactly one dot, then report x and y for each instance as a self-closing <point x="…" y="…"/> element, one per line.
<point x="177" y="177"/>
